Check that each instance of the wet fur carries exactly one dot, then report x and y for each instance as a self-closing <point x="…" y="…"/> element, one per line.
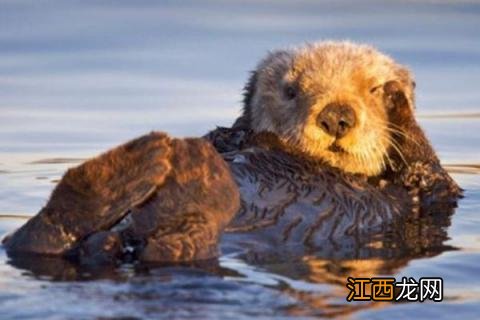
<point x="168" y="200"/>
<point x="179" y="195"/>
<point x="95" y="195"/>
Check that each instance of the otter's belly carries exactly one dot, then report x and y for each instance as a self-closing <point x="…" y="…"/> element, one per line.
<point x="284" y="201"/>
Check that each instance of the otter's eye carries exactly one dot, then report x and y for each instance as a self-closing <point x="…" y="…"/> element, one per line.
<point x="290" y="92"/>
<point x="375" y="89"/>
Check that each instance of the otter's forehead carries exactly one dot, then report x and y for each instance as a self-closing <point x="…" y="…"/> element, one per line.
<point x="332" y="64"/>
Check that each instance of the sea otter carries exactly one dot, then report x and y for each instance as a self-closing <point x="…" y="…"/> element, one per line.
<point x="344" y="148"/>
<point x="327" y="150"/>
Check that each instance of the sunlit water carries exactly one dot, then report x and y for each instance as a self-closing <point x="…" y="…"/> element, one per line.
<point x="78" y="78"/>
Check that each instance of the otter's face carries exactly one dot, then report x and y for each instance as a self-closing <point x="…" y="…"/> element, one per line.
<point x="329" y="101"/>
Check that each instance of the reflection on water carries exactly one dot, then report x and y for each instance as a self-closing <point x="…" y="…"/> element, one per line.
<point x="58" y="161"/>
<point x="79" y="77"/>
<point x="311" y="283"/>
<point x="464" y="168"/>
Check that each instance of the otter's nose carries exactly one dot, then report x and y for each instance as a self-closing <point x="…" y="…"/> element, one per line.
<point x="336" y="119"/>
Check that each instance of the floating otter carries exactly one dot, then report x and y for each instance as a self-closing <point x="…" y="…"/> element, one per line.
<point x="327" y="150"/>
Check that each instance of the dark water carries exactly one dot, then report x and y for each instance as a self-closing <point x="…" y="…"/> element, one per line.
<point x="79" y="77"/>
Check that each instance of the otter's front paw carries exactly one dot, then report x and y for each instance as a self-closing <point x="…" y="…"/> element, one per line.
<point x="419" y="176"/>
<point x="429" y="183"/>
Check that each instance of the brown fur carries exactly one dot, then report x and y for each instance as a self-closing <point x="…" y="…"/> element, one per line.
<point x="185" y="218"/>
<point x="413" y="163"/>
<point x="95" y="195"/>
<point x="180" y="192"/>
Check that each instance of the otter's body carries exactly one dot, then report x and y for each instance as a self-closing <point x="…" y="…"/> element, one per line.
<point x="327" y="149"/>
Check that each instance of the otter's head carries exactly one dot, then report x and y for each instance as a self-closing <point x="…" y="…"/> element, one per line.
<point x="330" y="101"/>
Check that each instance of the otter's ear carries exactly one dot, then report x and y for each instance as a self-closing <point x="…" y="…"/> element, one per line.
<point x="248" y="92"/>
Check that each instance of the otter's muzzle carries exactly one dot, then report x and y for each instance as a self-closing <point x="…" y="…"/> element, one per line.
<point x="336" y="119"/>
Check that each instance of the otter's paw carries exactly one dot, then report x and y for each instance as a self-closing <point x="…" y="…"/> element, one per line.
<point x="419" y="176"/>
<point x="104" y="247"/>
<point x="429" y="183"/>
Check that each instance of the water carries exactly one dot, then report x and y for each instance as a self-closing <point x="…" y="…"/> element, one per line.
<point x="79" y="77"/>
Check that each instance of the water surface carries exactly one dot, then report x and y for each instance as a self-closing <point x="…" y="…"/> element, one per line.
<point x="79" y="77"/>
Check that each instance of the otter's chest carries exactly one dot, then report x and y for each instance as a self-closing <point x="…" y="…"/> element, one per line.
<point x="284" y="201"/>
